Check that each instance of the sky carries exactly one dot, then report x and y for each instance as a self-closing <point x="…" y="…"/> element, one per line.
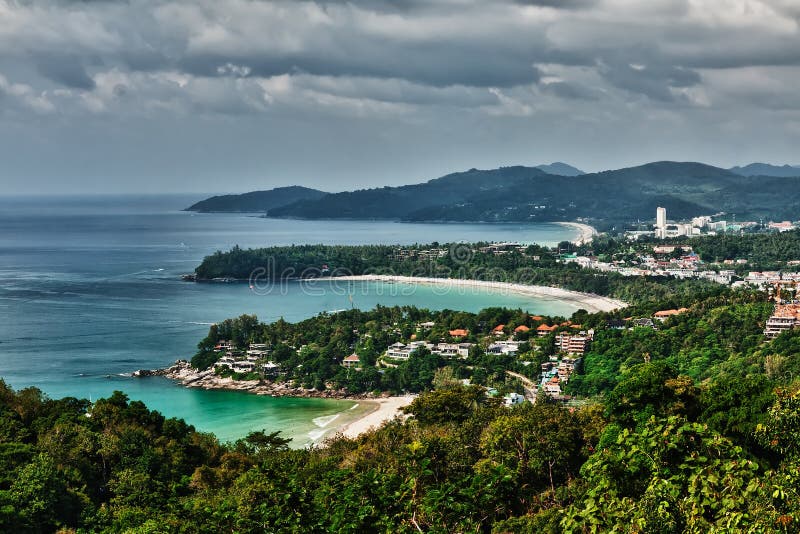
<point x="108" y="96"/>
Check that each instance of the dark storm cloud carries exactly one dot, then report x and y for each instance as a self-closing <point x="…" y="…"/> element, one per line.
<point x="653" y="81"/>
<point x="66" y="70"/>
<point x="454" y="82"/>
<point x="559" y="4"/>
<point x="570" y="91"/>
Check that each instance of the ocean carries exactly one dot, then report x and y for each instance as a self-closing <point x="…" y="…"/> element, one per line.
<point x="90" y="291"/>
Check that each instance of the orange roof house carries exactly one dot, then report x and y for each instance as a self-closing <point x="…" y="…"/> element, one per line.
<point x="543" y="329"/>
<point x="537" y="318"/>
<point x="521" y="328"/>
<point x="351" y="361"/>
<point x="663" y="314"/>
<point x="459" y="332"/>
<point x="499" y="329"/>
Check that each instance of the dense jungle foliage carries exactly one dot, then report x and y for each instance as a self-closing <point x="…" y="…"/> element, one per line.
<point x="660" y="453"/>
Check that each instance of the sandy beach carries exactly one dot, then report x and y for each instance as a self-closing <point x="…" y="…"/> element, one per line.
<point x="383" y="410"/>
<point x="587" y="301"/>
<point x="587" y="233"/>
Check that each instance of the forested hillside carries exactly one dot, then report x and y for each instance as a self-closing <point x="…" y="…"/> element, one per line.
<point x="695" y="431"/>
<point x="256" y="201"/>
<point x="518" y="193"/>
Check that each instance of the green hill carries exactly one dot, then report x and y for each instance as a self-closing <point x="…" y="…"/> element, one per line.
<point x="256" y="201"/>
<point x="516" y="194"/>
<point x="520" y="194"/>
<point x="766" y="169"/>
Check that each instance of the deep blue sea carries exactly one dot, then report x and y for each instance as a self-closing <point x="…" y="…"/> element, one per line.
<point x="90" y="291"/>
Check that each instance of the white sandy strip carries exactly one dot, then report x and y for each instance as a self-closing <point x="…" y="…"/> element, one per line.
<point x="587" y="301"/>
<point x="385" y="410"/>
<point x="586" y="232"/>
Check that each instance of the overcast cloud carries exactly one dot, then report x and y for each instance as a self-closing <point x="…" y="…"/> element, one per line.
<point x="234" y="95"/>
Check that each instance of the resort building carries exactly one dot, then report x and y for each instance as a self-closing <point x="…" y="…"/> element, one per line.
<point x="575" y="344"/>
<point x="509" y="348"/>
<point x="450" y="350"/>
<point x="785" y="317"/>
<point x="544" y="330"/>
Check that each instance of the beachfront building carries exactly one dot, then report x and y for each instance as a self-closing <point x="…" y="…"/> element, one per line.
<point x="224" y="345"/>
<point x="270" y="368"/>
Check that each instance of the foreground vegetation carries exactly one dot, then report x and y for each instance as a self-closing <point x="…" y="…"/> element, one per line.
<point x="686" y="428"/>
<point x="645" y="460"/>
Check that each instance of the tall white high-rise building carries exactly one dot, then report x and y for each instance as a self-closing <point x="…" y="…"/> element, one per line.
<point x="661" y="217"/>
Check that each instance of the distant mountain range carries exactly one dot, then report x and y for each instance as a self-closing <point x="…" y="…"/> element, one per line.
<point x="560" y="169"/>
<point x="765" y="169"/>
<point x="517" y="194"/>
<point x="257" y="201"/>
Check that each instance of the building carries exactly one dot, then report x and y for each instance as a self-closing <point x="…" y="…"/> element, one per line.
<point x="543" y="330"/>
<point x="574" y="344"/>
<point x="784" y="226"/>
<point x="270" y="368"/>
<point x="450" y="350"/>
<point x="352" y="361"/>
<point x="664" y="314"/>
<point x="661" y="218"/>
<point x="459" y="332"/>
<point x="784" y="317"/>
<point x="512" y="399"/>
<point x="509" y="348"/>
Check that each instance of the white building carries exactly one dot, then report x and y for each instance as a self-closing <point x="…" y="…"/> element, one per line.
<point x="661" y="217"/>
<point x="513" y="399"/>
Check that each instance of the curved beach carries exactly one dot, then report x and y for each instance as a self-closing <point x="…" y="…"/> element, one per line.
<point x="589" y="302"/>
<point x="587" y="233"/>
<point x="382" y="410"/>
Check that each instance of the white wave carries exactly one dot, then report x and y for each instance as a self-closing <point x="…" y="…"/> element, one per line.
<point x="324" y="421"/>
<point x="316" y="434"/>
<point x="200" y="323"/>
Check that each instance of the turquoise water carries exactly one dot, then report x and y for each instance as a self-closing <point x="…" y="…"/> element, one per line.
<point x="90" y="291"/>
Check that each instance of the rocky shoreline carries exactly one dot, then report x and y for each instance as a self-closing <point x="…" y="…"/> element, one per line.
<point x="183" y="372"/>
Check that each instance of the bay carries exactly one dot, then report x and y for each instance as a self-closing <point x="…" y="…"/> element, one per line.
<point x="90" y="291"/>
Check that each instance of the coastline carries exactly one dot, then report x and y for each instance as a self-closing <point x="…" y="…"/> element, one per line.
<point x="369" y="412"/>
<point x="589" y="302"/>
<point x="587" y="233"/>
<point x="382" y="410"/>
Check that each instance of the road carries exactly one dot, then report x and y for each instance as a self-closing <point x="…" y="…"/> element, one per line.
<point x="528" y="385"/>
